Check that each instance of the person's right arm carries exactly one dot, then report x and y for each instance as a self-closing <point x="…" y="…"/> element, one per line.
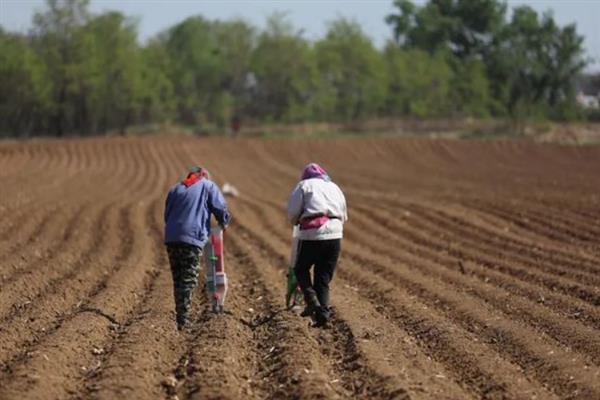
<point x="168" y="204"/>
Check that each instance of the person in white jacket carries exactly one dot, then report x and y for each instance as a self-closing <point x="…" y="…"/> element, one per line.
<point x="318" y="207"/>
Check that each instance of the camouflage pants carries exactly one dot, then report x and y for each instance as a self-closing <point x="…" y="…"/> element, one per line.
<point x="185" y="267"/>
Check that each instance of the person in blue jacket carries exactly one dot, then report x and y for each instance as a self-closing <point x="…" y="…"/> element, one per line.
<point x="188" y="208"/>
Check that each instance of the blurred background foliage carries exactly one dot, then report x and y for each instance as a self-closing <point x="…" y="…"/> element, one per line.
<point x="76" y="73"/>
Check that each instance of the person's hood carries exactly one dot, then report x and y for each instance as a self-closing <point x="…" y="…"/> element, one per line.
<point x="314" y="170"/>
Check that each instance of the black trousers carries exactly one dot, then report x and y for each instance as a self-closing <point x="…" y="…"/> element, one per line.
<point x="323" y="254"/>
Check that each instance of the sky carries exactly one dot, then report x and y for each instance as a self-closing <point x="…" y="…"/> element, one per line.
<point x="312" y="16"/>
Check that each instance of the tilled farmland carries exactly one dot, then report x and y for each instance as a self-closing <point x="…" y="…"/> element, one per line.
<point x="469" y="270"/>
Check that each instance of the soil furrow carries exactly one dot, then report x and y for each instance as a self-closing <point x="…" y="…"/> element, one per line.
<point x="27" y="287"/>
<point x="469" y="270"/>
<point x="73" y="344"/>
<point x="428" y="261"/>
<point x="419" y="233"/>
<point x="541" y="228"/>
<point x="411" y="253"/>
<point x="571" y="334"/>
<point x="490" y="241"/>
<point x="298" y="366"/>
<point x="471" y="375"/>
<point x="565" y="361"/>
<point x="50" y="238"/>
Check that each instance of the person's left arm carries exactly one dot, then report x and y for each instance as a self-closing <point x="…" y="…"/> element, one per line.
<point x="343" y="205"/>
<point x="218" y="206"/>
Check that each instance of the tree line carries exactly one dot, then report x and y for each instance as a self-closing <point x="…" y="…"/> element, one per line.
<point x="76" y="73"/>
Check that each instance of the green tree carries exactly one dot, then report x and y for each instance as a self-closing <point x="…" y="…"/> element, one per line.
<point x="284" y="72"/>
<point x="404" y="21"/>
<point x="236" y="42"/>
<point x="470" y="89"/>
<point x="25" y="91"/>
<point x="419" y="84"/>
<point x="197" y="68"/>
<point x="534" y="64"/>
<point x="464" y="27"/>
<point x="352" y="72"/>
<point x="111" y="87"/>
<point x="157" y="94"/>
<point x="531" y="63"/>
<point x="56" y="32"/>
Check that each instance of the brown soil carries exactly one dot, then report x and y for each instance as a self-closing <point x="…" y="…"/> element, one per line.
<point x="469" y="270"/>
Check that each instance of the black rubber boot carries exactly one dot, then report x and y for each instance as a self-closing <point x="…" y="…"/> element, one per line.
<point x="321" y="321"/>
<point x="308" y="312"/>
<point x="182" y="322"/>
<point x="312" y="305"/>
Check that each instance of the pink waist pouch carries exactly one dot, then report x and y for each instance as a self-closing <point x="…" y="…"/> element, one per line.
<point x="313" y="222"/>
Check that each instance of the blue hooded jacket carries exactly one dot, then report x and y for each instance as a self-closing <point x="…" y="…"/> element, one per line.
<point x="188" y="211"/>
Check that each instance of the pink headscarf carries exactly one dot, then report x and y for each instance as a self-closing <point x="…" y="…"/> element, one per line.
<point x="314" y="170"/>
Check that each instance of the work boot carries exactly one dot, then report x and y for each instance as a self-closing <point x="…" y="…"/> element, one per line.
<point x="312" y="305"/>
<point x="322" y="315"/>
<point x="181" y="323"/>
<point x="321" y="323"/>
<point x="308" y="311"/>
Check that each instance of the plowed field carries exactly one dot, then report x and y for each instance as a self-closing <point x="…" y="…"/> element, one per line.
<point x="469" y="270"/>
